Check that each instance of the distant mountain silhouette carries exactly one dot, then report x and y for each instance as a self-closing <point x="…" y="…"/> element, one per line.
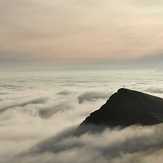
<point x="127" y="107"/>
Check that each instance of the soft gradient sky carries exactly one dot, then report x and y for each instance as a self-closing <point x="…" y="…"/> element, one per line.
<point x="68" y="30"/>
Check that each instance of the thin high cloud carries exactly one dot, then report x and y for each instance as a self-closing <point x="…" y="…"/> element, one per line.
<point x="74" y="30"/>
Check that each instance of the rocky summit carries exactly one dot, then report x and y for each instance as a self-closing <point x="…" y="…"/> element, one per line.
<point x="127" y="107"/>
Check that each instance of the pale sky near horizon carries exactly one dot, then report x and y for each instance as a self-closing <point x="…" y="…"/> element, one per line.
<point x="80" y="30"/>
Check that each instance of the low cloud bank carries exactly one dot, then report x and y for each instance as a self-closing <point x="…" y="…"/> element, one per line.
<point x="91" y="96"/>
<point x="57" y="105"/>
<point x="64" y="92"/>
<point x="114" y="146"/>
<point x="51" y="110"/>
<point x="39" y="100"/>
<point x="155" y="90"/>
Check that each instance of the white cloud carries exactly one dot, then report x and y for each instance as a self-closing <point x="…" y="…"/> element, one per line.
<point x="92" y="96"/>
<point x="115" y="146"/>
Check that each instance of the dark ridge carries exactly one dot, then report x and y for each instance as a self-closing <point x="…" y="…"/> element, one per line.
<point x="127" y="107"/>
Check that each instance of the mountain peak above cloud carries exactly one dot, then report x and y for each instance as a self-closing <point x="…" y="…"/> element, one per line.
<point x="127" y="107"/>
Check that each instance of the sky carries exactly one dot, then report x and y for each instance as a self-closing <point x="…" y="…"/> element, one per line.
<point x="79" y="31"/>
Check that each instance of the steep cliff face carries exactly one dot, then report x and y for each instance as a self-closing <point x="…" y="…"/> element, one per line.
<point x="127" y="107"/>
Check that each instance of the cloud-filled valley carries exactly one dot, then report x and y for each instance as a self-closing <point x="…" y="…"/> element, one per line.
<point x="116" y="146"/>
<point x="39" y="124"/>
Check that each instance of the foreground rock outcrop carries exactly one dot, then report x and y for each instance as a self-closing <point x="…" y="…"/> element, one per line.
<point x="127" y="107"/>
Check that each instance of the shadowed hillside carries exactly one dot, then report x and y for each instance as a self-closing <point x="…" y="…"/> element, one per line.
<point x="127" y="107"/>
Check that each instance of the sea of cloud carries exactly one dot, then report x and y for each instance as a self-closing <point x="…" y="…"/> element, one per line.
<point x="39" y="114"/>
